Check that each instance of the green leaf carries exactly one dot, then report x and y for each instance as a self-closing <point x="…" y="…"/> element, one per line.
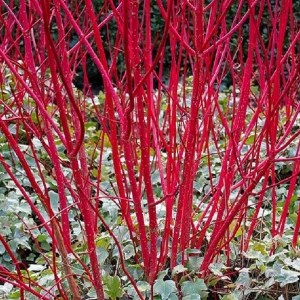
<point x="54" y="199"/>
<point x="173" y="297"/>
<point x="14" y="295"/>
<point x="216" y="268"/>
<point x="103" y="241"/>
<point x="6" y="288"/>
<point x="244" y="279"/>
<point x="42" y="237"/>
<point x="136" y="271"/>
<point x="102" y="254"/>
<point x="192" y="297"/>
<point x="111" y="209"/>
<point x="2" y="249"/>
<point x="164" y="288"/>
<point x="128" y="251"/>
<point x="112" y="286"/>
<point x="143" y="286"/>
<point x="295" y="264"/>
<point x="178" y="269"/>
<point x="250" y="140"/>
<point x="193" y="263"/>
<point x="92" y="294"/>
<point x="260" y="247"/>
<point x="193" y="287"/>
<point x="229" y="297"/>
<point x="193" y="252"/>
<point x="286" y="276"/>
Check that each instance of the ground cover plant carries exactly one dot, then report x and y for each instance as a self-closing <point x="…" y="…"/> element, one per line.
<point x="183" y="187"/>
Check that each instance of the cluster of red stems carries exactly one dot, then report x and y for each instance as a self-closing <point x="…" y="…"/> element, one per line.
<point x="197" y="37"/>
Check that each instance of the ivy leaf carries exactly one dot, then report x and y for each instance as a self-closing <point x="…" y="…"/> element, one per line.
<point x="6" y="288"/>
<point x="244" y="279"/>
<point x="194" y="287"/>
<point x="128" y="251"/>
<point x="111" y="209"/>
<point x="165" y="288"/>
<point x="192" y="297"/>
<point x="295" y="264"/>
<point x="216" y="268"/>
<point x="54" y="199"/>
<point x="162" y="274"/>
<point x="2" y="249"/>
<point x="178" y="269"/>
<point x="286" y="276"/>
<point x="230" y="297"/>
<point x="102" y="254"/>
<point x="136" y="271"/>
<point x="143" y="286"/>
<point x="193" y="263"/>
<point x="92" y="294"/>
<point x="173" y="297"/>
<point x="36" y="268"/>
<point x="103" y="241"/>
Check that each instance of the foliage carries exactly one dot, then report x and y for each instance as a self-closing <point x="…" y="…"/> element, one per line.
<point x="187" y="191"/>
